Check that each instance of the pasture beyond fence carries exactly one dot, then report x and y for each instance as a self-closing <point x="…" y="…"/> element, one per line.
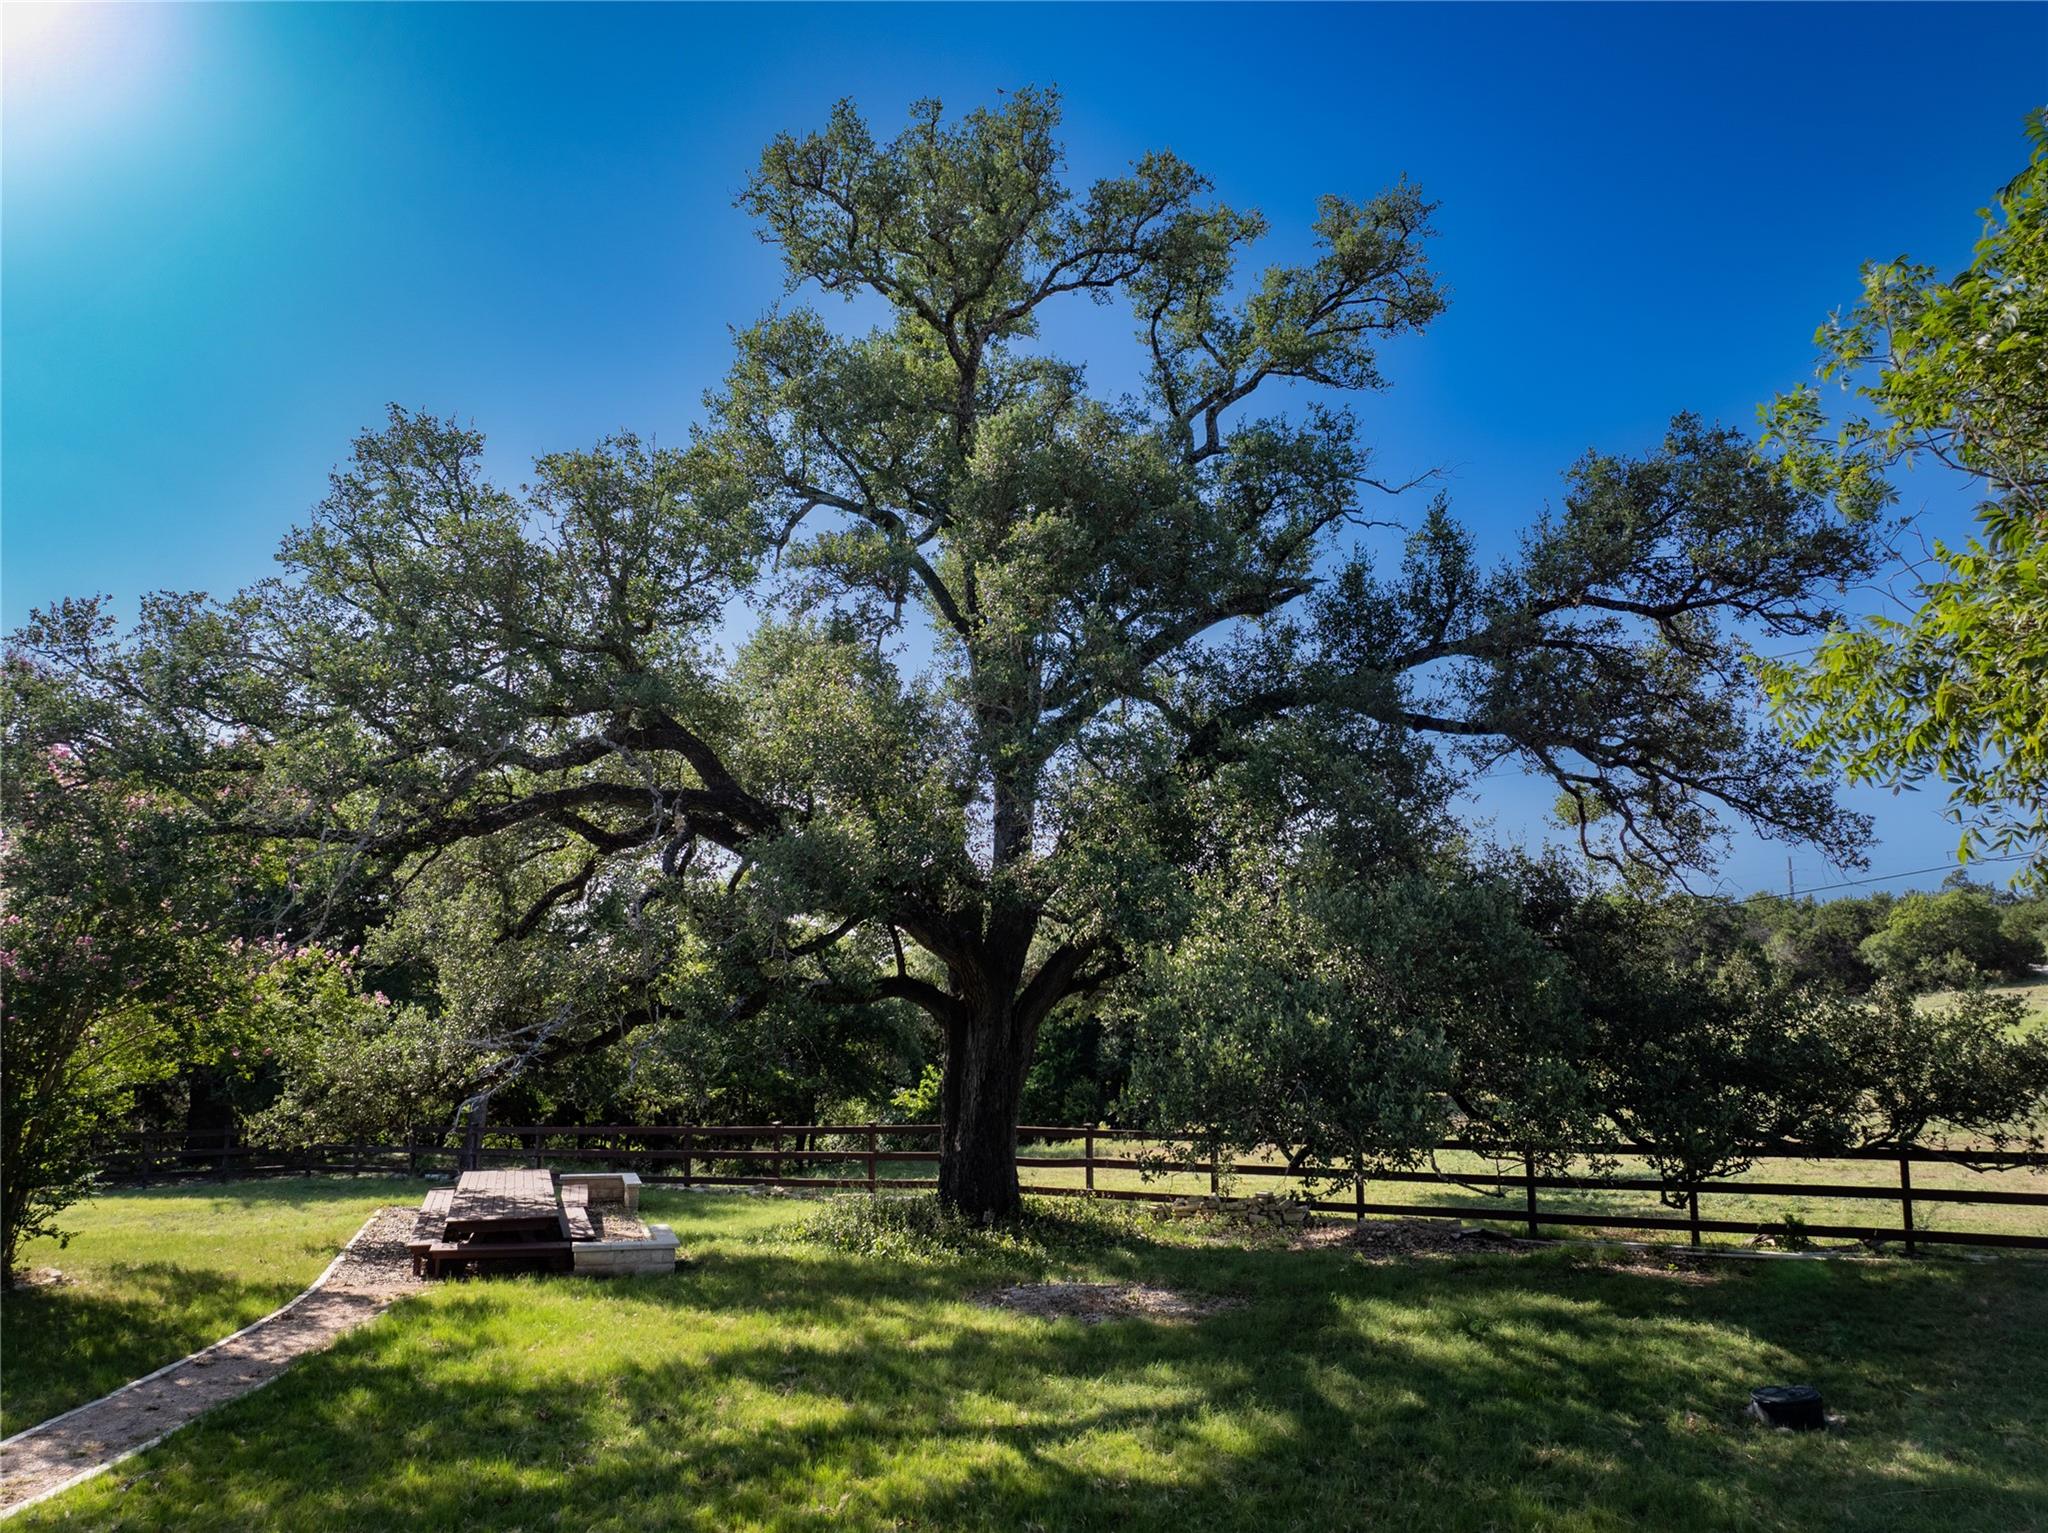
<point x="873" y="1156"/>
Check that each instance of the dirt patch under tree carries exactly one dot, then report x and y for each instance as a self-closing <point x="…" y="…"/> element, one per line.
<point x="1092" y="1303"/>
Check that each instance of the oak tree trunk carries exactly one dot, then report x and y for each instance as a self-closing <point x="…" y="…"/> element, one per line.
<point x="987" y="1057"/>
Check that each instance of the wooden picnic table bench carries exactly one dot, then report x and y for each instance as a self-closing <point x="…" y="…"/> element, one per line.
<point x="429" y="1226"/>
<point x="516" y="1221"/>
<point x="451" y="1257"/>
<point x="501" y="1206"/>
<point x="491" y="1221"/>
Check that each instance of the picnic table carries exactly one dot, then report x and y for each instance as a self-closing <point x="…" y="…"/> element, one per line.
<point x="522" y="1221"/>
<point x="493" y="1221"/>
<point x="505" y="1205"/>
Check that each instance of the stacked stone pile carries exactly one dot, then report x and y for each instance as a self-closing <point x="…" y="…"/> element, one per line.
<point x="1263" y="1209"/>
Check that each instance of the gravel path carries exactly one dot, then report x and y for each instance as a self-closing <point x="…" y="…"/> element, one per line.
<point x="372" y="1270"/>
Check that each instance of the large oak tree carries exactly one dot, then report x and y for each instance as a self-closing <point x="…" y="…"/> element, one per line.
<point x="922" y="676"/>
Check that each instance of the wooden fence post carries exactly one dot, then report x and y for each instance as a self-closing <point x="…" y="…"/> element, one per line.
<point x="775" y="1165"/>
<point x="1692" y="1211"/>
<point x="473" y="1138"/>
<point x="1529" y="1184"/>
<point x="1088" y="1158"/>
<point x="1358" y="1196"/>
<point x="1906" y="1194"/>
<point x="683" y="1139"/>
<point x="874" y="1145"/>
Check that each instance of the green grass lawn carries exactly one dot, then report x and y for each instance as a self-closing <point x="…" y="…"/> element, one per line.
<point x="775" y="1384"/>
<point x="2033" y="991"/>
<point x="153" y="1275"/>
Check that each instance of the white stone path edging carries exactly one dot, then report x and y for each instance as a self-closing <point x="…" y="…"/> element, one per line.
<point x="10" y="1448"/>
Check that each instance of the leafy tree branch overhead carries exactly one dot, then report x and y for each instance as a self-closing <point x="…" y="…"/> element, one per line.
<point x="1954" y="372"/>
<point x="1151" y="636"/>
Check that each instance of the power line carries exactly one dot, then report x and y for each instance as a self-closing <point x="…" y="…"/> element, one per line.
<point x="1885" y="878"/>
<point x="1846" y="883"/>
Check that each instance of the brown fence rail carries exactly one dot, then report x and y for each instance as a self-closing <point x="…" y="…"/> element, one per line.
<point x="779" y="1154"/>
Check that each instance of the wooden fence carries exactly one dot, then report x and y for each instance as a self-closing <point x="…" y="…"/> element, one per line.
<point x="763" y="1154"/>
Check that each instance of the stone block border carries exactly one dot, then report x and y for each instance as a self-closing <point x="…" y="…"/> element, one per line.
<point x="657" y="1253"/>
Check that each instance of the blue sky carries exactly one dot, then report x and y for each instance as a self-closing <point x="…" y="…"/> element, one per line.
<point x="232" y="233"/>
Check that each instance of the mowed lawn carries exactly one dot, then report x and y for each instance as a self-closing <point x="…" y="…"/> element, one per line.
<point x="776" y="1384"/>
<point x="153" y="1275"/>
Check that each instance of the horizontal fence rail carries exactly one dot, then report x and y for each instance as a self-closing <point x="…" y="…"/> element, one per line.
<point x="792" y="1155"/>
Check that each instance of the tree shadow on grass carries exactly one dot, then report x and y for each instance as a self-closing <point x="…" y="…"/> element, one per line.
<point x="777" y="1389"/>
<point x="71" y="1342"/>
<point x="68" y="1344"/>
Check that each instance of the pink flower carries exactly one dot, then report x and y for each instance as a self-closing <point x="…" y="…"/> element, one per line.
<point x="381" y="998"/>
<point x="234" y="1053"/>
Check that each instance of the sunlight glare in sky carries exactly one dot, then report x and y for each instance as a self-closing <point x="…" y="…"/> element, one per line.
<point x="74" y="73"/>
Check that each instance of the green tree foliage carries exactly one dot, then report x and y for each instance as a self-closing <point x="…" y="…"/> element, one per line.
<point x="1023" y="663"/>
<point x="1078" y="1071"/>
<point x="1954" y="371"/>
<point x="1821" y="944"/>
<point x="121" y="955"/>
<point x="1949" y="940"/>
<point x="1354" y="1027"/>
<point x="1528" y="1014"/>
<point x="1960" y="936"/>
<point x="1707" y="1055"/>
<point x="2025" y="924"/>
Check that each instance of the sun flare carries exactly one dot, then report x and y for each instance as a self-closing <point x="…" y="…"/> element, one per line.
<point x="72" y="68"/>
